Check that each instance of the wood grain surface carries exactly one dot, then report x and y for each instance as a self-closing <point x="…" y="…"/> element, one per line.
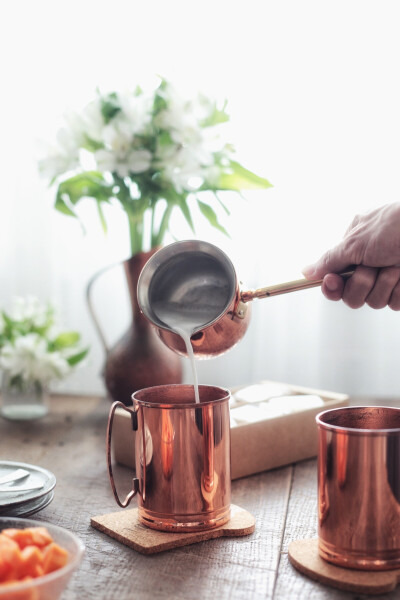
<point x="70" y="442"/>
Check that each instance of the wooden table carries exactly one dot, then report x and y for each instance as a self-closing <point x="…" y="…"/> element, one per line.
<point x="71" y="443"/>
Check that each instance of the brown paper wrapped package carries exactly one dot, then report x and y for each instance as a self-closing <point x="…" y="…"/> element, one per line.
<point x="258" y="445"/>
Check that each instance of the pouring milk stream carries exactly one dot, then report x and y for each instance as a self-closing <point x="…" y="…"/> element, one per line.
<point x="197" y="307"/>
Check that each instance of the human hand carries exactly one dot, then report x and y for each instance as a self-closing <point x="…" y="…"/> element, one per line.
<point x="372" y="245"/>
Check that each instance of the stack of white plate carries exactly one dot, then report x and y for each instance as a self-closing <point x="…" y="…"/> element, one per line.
<point x="24" y="489"/>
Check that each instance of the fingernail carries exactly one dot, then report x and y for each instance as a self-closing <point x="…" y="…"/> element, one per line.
<point x="308" y="271"/>
<point x="331" y="284"/>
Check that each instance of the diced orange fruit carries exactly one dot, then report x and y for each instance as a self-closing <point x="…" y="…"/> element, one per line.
<point x="32" y="536"/>
<point x="10" y="559"/>
<point x="32" y="562"/>
<point x="24" y="555"/>
<point x="40" y="536"/>
<point x="30" y="593"/>
<point x="54" y="557"/>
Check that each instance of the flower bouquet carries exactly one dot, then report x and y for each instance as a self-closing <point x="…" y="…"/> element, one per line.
<point x="151" y="152"/>
<point x="33" y="353"/>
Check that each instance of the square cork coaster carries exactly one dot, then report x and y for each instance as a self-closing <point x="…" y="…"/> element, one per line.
<point x="125" y="527"/>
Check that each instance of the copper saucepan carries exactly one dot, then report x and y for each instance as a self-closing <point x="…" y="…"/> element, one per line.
<point x="188" y="273"/>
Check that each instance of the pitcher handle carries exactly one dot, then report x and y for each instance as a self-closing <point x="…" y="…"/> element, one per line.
<point x="89" y="301"/>
<point x="285" y="288"/>
<point x="135" y="480"/>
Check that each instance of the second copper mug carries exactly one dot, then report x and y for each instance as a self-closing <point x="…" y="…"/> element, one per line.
<point x="182" y="455"/>
<point x="359" y="487"/>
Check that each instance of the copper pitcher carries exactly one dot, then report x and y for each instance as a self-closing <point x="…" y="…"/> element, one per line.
<point x="359" y="487"/>
<point x="182" y="272"/>
<point x="182" y="455"/>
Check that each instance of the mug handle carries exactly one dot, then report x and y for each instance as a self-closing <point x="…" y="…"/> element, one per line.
<point x="135" y="480"/>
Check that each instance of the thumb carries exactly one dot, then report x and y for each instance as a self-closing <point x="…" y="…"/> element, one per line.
<point x="333" y="261"/>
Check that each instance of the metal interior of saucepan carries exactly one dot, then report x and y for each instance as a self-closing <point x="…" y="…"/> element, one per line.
<point x="191" y="276"/>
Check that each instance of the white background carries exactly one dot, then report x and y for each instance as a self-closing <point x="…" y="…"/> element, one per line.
<point x="314" y="99"/>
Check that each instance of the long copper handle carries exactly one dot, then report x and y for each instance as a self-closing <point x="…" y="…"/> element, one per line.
<point x="285" y="288"/>
<point x="135" y="481"/>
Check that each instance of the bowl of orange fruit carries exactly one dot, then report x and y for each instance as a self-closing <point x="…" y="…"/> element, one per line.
<point x="36" y="559"/>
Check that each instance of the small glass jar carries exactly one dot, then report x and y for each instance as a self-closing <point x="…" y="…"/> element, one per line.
<point x="23" y="401"/>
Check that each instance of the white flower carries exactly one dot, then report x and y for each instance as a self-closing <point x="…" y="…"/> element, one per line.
<point x="32" y="349"/>
<point x="135" y="112"/>
<point x="63" y="156"/>
<point x="179" y="119"/>
<point x="180" y="167"/>
<point x="93" y="121"/>
<point x="30" y="309"/>
<point x="135" y="161"/>
<point x="60" y="159"/>
<point x="29" y="358"/>
<point x="182" y="125"/>
<point x="183" y="118"/>
<point x="118" y="154"/>
<point x="212" y="174"/>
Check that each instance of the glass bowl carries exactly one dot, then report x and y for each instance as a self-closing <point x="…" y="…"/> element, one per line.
<point x="50" y="586"/>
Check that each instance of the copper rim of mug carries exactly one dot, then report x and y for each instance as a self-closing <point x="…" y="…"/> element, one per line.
<point x="356" y="430"/>
<point x="178" y="386"/>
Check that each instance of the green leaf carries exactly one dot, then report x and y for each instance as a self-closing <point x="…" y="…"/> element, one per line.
<point x="216" y="117"/>
<point x="62" y="206"/>
<point x="76" y="358"/>
<point x="10" y="326"/>
<point x="159" y="104"/>
<point x="227" y="211"/>
<point x="109" y="107"/>
<point x="164" y="139"/>
<point x="211" y="216"/>
<point x="182" y="203"/>
<point x="158" y="239"/>
<point x="92" y="145"/>
<point x="241" y="179"/>
<point x="101" y="215"/>
<point x="89" y="184"/>
<point x="66" y="340"/>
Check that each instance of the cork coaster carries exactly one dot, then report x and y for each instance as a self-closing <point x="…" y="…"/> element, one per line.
<point x="304" y="556"/>
<point x="124" y="526"/>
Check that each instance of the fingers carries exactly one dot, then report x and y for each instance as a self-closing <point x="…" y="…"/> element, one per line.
<point x="394" y="302"/>
<point x="382" y="294"/>
<point x="333" y="286"/>
<point x="355" y="290"/>
<point x="377" y="288"/>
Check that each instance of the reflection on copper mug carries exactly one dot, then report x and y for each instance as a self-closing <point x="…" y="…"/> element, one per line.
<point x="182" y="454"/>
<point x="359" y="487"/>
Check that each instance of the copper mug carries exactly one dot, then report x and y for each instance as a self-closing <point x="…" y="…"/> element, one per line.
<point x="182" y="456"/>
<point x="359" y="487"/>
<point x="172" y="275"/>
